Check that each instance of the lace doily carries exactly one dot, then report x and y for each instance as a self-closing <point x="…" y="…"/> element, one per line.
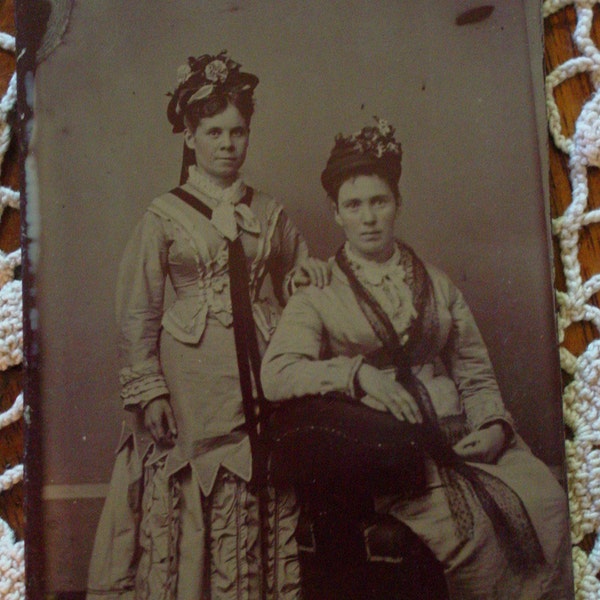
<point x="12" y="579"/>
<point x="581" y="397"/>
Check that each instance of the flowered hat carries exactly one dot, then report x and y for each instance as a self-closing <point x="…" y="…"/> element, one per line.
<point x="373" y="147"/>
<point x="203" y="76"/>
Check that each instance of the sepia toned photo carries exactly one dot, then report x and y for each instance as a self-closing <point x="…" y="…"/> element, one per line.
<point x="290" y="322"/>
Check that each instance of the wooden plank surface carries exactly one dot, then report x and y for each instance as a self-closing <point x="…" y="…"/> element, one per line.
<point x="11" y="438"/>
<point x="570" y="97"/>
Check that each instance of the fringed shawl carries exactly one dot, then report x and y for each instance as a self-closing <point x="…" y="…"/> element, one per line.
<point x="504" y="508"/>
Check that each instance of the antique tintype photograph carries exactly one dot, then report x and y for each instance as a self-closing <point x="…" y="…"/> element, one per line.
<point x="290" y="316"/>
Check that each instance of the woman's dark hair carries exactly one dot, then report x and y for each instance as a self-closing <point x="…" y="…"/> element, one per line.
<point x="336" y="182"/>
<point x="216" y="104"/>
<point x="208" y="107"/>
<point x="207" y="85"/>
<point x="371" y="151"/>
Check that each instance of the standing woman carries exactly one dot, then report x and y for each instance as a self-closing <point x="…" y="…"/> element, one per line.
<point x="182" y="519"/>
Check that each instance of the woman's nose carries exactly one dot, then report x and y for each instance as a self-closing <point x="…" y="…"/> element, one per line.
<point x="226" y="141"/>
<point x="368" y="214"/>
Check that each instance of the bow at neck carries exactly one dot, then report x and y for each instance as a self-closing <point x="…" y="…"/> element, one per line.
<point x="376" y="273"/>
<point x="228" y="213"/>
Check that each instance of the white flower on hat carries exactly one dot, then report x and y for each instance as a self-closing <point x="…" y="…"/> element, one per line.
<point x="216" y="71"/>
<point x="384" y="127"/>
<point x="393" y="147"/>
<point x="183" y="72"/>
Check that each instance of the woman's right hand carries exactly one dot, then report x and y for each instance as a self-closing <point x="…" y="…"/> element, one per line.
<point x="159" y="420"/>
<point x="388" y="392"/>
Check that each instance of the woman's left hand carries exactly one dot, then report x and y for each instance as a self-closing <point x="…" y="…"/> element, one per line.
<point x="483" y="445"/>
<point x="312" y="271"/>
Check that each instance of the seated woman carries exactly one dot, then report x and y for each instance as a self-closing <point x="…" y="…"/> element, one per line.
<point x="491" y="513"/>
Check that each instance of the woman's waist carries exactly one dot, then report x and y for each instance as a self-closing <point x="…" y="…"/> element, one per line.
<point x="383" y="361"/>
<point x="190" y="314"/>
<point x="441" y="389"/>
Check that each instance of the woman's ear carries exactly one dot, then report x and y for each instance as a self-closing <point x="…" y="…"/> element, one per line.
<point x="336" y="212"/>
<point x="188" y="137"/>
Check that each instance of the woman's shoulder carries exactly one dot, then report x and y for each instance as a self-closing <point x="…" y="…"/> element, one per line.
<point x="263" y="201"/>
<point x="329" y="296"/>
<point x="311" y="305"/>
<point x="158" y="205"/>
<point x="168" y="206"/>
<point x="259" y="195"/>
<point x="436" y="274"/>
<point x="443" y="285"/>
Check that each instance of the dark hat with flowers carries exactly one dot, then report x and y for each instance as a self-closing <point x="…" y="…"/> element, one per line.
<point x="202" y="77"/>
<point x="372" y="148"/>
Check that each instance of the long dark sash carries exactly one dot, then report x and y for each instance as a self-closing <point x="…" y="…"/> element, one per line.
<point x="246" y="343"/>
<point x="509" y="529"/>
<point x="248" y="359"/>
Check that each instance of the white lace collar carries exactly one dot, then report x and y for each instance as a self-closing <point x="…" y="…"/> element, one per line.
<point x="372" y="271"/>
<point x="387" y="282"/>
<point x="232" y="194"/>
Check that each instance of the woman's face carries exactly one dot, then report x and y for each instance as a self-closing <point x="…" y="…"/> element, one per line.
<point x="366" y="210"/>
<point x="220" y="144"/>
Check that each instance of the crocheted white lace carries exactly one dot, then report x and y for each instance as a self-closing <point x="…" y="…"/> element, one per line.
<point x="12" y="560"/>
<point x="581" y="397"/>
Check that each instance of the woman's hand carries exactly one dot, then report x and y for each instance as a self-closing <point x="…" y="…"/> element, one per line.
<point x="312" y="271"/>
<point x="383" y="390"/>
<point x="159" y="420"/>
<point x="483" y="445"/>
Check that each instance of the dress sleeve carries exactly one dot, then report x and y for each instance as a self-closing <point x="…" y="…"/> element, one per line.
<point x="291" y="249"/>
<point x="470" y="367"/>
<point x="140" y="297"/>
<point x="294" y="366"/>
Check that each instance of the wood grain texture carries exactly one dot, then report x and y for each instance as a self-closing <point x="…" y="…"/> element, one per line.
<point x="570" y="97"/>
<point x="11" y="438"/>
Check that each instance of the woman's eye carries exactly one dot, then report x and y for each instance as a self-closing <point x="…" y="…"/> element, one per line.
<point x="214" y="133"/>
<point x="381" y="201"/>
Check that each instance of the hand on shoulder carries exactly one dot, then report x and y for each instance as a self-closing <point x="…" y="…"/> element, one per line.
<point x="312" y="271"/>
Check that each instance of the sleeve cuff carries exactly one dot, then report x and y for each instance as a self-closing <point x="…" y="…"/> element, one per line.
<point x="507" y="427"/>
<point x="354" y="386"/>
<point x="141" y="401"/>
<point x="289" y="287"/>
<point x="139" y="387"/>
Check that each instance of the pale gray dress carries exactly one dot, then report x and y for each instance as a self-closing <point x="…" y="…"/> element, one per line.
<point x="321" y="341"/>
<point x="181" y="522"/>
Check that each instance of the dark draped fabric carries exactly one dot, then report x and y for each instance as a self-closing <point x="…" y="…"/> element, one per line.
<point x="504" y="508"/>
